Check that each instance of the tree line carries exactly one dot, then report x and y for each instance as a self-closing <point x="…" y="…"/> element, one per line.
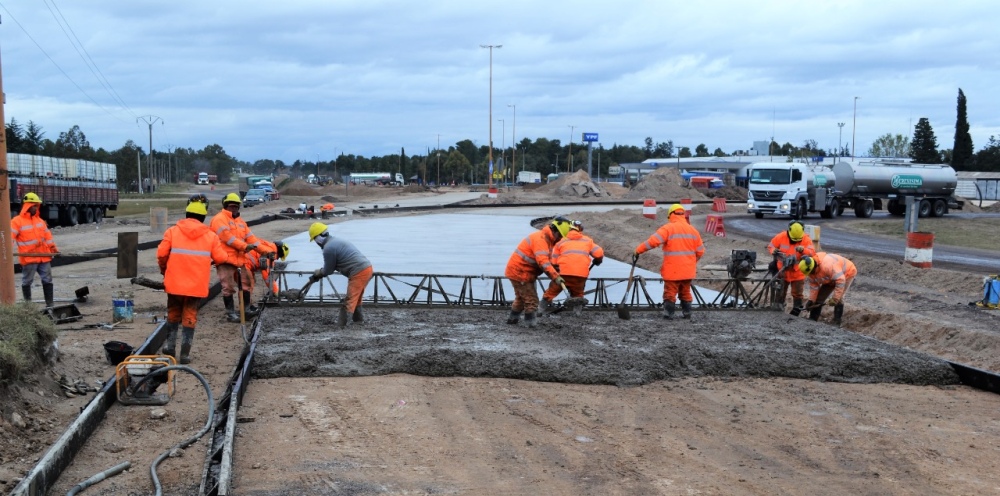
<point x="467" y="162"/>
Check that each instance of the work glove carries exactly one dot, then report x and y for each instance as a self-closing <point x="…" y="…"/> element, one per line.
<point x="833" y="302"/>
<point x="270" y="255"/>
<point x="316" y="275"/>
<point x="248" y="249"/>
<point x="635" y="256"/>
<point x="800" y="249"/>
<point x="598" y="261"/>
<point x="560" y="281"/>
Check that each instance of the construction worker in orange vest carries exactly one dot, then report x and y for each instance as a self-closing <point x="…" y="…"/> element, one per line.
<point x="185" y="258"/>
<point x="682" y="248"/>
<point x="572" y="256"/>
<point x="262" y="264"/>
<point x="31" y="235"/>
<point x="237" y="240"/>
<point x="530" y="259"/>
<point x="791" y="244"/>
<point x="830" y="276"/>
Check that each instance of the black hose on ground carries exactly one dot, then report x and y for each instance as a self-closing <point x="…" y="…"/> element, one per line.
<point x="111" y="472"/>
<point x="191" y="440"/>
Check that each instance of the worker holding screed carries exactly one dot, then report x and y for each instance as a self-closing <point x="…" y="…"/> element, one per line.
<point x="340" y="255"/>
<point x="830" y="276"/>
<point x="530" y="259"/>
<point x="791" y="244"/>
<point x="572" y="257"/>
<point x="682" y="248"/>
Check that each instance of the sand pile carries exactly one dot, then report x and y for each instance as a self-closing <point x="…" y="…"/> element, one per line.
<point x="298" y="187"/>
<point x="577" y="184"/>
<point x="664" y="184"/>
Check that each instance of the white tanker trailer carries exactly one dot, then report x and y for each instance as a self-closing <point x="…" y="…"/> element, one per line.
<point x="794" y="189"/>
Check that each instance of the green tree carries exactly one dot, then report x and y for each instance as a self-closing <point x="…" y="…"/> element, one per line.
<point x="663" y="150"/>
<point x="684" y="152"/>
<point x="988" y="159"/>
<point x="73" y="144"/>
<point x="923" y="148"/>
<point x="34" y="139"/>
<point x="701" y="150"/>
<point x="456" y="167"/>
<point x="889" y="145"/>
<point x="719" y="153"/>
<point x="648" y="148"/>
<point x="15" y="136"/>
<point x="962" y="152"/>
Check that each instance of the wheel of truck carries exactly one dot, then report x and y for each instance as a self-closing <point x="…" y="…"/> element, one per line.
<point x="826" y="213"/>
<point x="863" y="209"/>
<point x="759" y="215"/>
<point x="72" y="216"/>
<point x="940" y="208"/>
<point x="835" y="208"/>
<point x="840" y="209"/>
<point x="925" y="209"/>
<point x="800" y="209"/>
<point x="98" y="214"/>
<point x="895" y="208"/>
<point x="88" y="215"/>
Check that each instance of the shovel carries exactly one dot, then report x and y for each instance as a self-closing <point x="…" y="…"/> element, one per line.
<point x="572" y="303"/>
<point x="622" y="309"/>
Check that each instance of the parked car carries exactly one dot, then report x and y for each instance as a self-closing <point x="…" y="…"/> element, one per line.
<point x="254" y="197"/>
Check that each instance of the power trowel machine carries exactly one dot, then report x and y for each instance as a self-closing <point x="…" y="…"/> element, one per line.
<point x="133" y="390"/>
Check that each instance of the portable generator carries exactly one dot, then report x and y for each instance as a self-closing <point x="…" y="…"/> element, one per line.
<point x="131" y="371"/>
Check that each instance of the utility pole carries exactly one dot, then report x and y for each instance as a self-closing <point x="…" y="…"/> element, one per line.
<point x="7" y="294"/>
<point x="569" y="163"/>
<point x="437" y="152"/>
<point x="490" y="174"/>
<point x="513" y="142"/>
<point x="854" y="127"/>
<point x="503" y="143"/>
<point x="149" y="120"/>
<point x="840" y="141"/>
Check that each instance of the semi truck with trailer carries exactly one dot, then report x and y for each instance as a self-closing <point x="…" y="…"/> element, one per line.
<point x="796" y="189"/>
<point x="72" y="191"/>
<point x="383" y="178"/>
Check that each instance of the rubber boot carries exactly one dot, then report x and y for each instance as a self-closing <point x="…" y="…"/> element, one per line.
<point x="838" y="314"/>
<point x="170" y="342"/>
<point x="342" y="317"/>
<point x="187" y="339"/>
<point x="248" y="309"/>
<point x="529" y="319"/>
<point x="26" y="291"/>
<point x="514" y="317"/>
<point x="231" y="315"/>
<point x="47" y="291"/>
<point x="669" y="308"/>
<point x="358" y="316"/>
<point x="796" y="307"/>
<point x="543" y="305"/>
<point x="685" y="309"/>
<point x="814" y="311"/>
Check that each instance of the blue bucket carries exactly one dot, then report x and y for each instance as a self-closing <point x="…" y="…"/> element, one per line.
<point x="123" y="310"/>
<point x="991" y="291"/>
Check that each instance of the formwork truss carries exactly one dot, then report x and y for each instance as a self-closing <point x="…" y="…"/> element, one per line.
<point x="442" y="290"/>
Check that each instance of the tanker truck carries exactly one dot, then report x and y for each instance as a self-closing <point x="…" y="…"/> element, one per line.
<point x="796" y="189"/>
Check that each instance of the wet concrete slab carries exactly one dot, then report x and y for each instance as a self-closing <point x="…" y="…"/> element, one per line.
<point x="595" y="348"/>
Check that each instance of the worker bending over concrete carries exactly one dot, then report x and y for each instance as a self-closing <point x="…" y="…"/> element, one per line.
<point x="530" y="259"/>
<point x="339" y="255"/>
<point x="828" y="275"/>
<point x="792" y="244"/>
<point x="572" y="257"/>
<point x="237" y="239"/>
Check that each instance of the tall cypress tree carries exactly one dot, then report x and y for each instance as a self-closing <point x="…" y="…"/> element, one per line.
<point x="962" y="153"/>
<point x="923" y="148"/>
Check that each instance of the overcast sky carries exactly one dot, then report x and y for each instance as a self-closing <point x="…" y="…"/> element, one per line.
<point x="297" y="79"/>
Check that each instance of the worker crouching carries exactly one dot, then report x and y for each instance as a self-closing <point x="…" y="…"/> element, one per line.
<point x="682" y="248"/>
<point x="572" y="256"/>
<point x="185" y="258"/>
<point x="828" y="275"/>
<point x="262" y="264"/>
<point x="530" y="259"/>
<point x="339" y="255"/>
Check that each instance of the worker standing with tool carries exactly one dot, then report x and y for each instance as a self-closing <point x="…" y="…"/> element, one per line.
<point x="237" y="240"/>
<point x="257" y="263"/>
<point x="791" y="244"/>
<point x="185" y="258"/>
<point x="682" y="248"/>
<point x="572" y="255"/>
<point x="530" y="259"/>
<point x="32" y="235"/>
<point x="339" y="255"/>
<point x="828" y="275"/>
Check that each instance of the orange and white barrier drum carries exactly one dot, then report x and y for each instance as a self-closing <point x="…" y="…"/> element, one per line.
<point x="649" y="208"/>
<point x="919" y="249"/>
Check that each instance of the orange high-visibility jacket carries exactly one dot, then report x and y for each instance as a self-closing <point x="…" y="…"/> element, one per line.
<point x="573" y="253"/>
<point x="786" y="246"/>
<point x="532" y="257"/>
<point x="31" y="235"/>
<point x="235" y="236"/>
<point x="831" y="269"/>
<point x="682" y="248"/>
<point x="185" y="257"/>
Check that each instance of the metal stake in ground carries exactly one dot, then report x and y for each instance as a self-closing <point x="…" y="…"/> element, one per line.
<point x="622" y="310"/>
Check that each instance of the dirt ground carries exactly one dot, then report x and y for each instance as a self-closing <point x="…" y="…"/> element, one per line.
<point x="686" y="429"/>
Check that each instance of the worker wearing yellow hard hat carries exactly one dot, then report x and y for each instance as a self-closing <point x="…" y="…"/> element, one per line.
<point x="682" y="248"/>
<point x="340" y="255"/>
<point x="238" y="240"/>
<point x="790" y="246"/>
<point x="32" y="240"/>
<point x="530" y="259"/>
<point x="830" y="276"/>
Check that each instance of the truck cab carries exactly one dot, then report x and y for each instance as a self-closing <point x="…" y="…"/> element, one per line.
<point x="791" y="189"/>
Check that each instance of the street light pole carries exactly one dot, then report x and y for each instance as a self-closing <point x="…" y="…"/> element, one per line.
<point x="569" y="163"/>
<point x="490" y="175"/>
<point x="150" y="120"/>
<point x="840" y="140"/>
<point x="438" y="153"/>
<point x="503" y="142"/>
<point x="513" y="142"/>
<point x="854" y="127"/>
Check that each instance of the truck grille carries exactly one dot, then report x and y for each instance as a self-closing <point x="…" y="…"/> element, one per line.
<point x="767" y="195"/>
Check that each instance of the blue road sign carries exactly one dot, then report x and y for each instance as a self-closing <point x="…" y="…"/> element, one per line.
<point x="589" y="136"/>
